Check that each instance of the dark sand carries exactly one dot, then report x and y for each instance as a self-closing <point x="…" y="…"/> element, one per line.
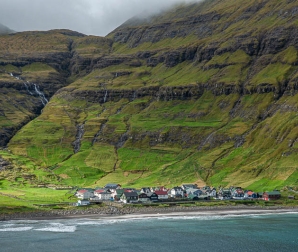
<point x="146" y="212"/>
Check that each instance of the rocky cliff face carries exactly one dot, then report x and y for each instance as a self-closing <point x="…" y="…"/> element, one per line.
<point x="204" y="92"/>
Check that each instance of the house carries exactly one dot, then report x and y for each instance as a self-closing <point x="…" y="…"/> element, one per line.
<point x="129" y="190"/>
<point x="105" y="195"/>
<point x="162" y="195"/>
<point x="224" y="194"/>
<point x="145" y="190"/>
<point x="189" y="186"/>
<point x="250" y="195"/>
<point x="129" y="197"/>
<point x="274" y="195"/>
<point x="153" y="196"/>
<point x="117" y="194"/>
<point x="112" y="187"/>
<point x="211" y="192"/>
<point x="85" y="194"/>
<point x="143" y="197"/>
<point x="176" y="192"/>
<point x="238" y="194"/>
<point x="194" y="191"/>
<point x="154" y="188"/>
<point x="98" y="191"/>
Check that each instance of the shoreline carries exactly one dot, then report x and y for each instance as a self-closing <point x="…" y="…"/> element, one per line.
<point x="150" y="212"/>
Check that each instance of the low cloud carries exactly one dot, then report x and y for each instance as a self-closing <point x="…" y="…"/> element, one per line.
<point x="96" y="17"/>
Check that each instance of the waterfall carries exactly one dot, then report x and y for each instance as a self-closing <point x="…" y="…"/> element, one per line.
<point x="102" y="126"/>
<point x="105" y="97"/>
<point x="40" y="94"/>
<point x="206" y="141"/>
<point x="28" y="90"/>
<point x="77" y="142"/>
<point x="35" y="90"/>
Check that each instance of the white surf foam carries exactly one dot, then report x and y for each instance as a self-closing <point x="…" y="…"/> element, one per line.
<point x="58" y="228"/>
<point x="15" y="229"/>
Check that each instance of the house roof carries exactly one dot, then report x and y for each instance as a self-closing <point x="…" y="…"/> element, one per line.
<point x="192" y="190"/>
<point x="86" y="189"/>
<point x="111" y="186"/>
<point x="161" y="192"/>
<point x="273" y="193"/>
<point x="82" y="191"/>
<point x="177" y="188"/>
<point x="130" y="194"/>
<point x="99" y="190"/>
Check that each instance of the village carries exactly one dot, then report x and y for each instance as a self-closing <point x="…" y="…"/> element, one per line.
<point x="185" y="192"/>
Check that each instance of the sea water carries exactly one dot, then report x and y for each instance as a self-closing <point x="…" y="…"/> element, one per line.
<point x="270" y="232"/>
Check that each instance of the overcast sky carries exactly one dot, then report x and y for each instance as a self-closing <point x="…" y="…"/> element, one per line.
<point x="92" y="17"/>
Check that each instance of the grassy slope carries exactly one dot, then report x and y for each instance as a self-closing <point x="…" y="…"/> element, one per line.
<point x="28" y="55"/>
<point x="204" y="130"/>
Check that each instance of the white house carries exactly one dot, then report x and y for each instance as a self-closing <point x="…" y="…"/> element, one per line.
<point x="112" y="187"/>
<point x="104" y="195"/>
<point x="162" y="195"/>
<point x="117" y="194"/>
<point x="145" y="190"/>
<point x="85" y="194"/>
<point x="176" y="191"/>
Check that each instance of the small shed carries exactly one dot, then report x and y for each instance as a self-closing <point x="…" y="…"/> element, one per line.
<point x="83" y="203"/>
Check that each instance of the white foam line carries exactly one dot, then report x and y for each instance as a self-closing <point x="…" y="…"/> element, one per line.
<point x="57" y="228"/>
<point x="16" y="229"/>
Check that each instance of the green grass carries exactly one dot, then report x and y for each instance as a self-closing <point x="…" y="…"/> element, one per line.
<point x="273" y="74"/>
<point x="169" y="141"/>
<point x="37" y="67"/>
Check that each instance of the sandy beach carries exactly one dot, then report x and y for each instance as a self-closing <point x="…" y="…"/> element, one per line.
<point x="149" y="212"/>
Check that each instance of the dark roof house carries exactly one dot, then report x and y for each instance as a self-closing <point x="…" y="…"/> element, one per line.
<point x="129" y="197"/>
<point x="112" y="186"/>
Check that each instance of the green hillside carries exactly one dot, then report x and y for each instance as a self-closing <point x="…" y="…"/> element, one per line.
<point x="204" y="93"/>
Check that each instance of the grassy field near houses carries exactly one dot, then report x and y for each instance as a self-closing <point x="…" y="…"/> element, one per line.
<point x="26" y="187"/>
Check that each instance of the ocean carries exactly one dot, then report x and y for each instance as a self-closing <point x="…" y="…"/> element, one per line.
<point x="266" y="232"/>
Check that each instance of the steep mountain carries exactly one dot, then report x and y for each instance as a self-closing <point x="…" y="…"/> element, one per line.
<point x="204" y="93"/>
<point x="5" y="30"/>
<point x="33" y="66"/>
